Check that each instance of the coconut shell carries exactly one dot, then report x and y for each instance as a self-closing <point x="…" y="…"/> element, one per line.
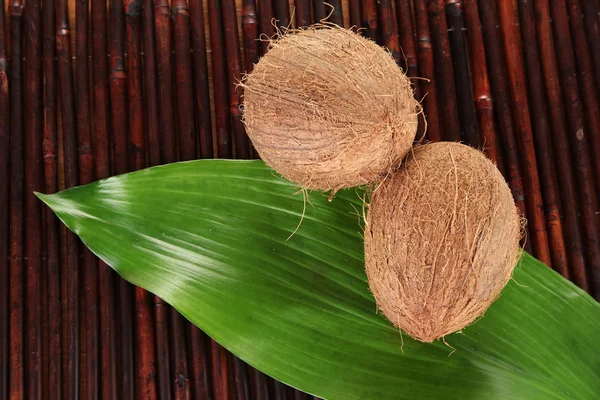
<point x="441" y="240"/>
<point x="329" y="109"/>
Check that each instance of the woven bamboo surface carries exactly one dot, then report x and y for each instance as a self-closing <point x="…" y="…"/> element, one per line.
<point x="518" y="79"/>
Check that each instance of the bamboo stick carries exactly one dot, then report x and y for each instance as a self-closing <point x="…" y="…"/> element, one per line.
<point x="282" y="14"/>
<point x="50" y="148"/>
<point x="337" y="14"/>
<point x="562" y="152"/>
<point x="589" y="95"/>
<point x="592" y="29"/>
<point x="319" y="13"/>
<point x="389" y="30"/>
<point x="298" y="395"/>
<point x="163" y="385"/>
<point x="146" y="360"/>
<point x="302" y="12"/>
<point x="407" y="43"/>
<point x="100" y="72"/>
<point x="69" y="136"/>
<point x="50" y="154"/>
<point x="183" y="83"/>
<point x="201" y="387"/>
<point x="240" y="373"/>
<point x="16" y="383"/>
<point x="250" y="29"/>
<point x="178" y="375"/>
<point x="4" y="208"/>
<point x="118" y="102"/>
<point x="426" y="70"/>
<point x="541" y="131"/>
<point x="117" y="83"/>
<point x="466" y="106"/>
<point x="279" y="389"/>
<point x="181" y="381"/>
<point x="251" y="41"/>
<point x="32" y="103"/>
<point x="162" y="20"/>
<point x="133" y="71"/>
<point x="220" y="371"/>
<point x="481" y="85"/>
<point x="259" y="385"/>
<point x="581" y="159"/>
<point x="91" y="360"/>
<point x="370" y="22"/>
<point x="102" y="162"/>
<point x="49" y="136"/>
<point x="151" y="93"/>
<point x="265" y="13"/>
<point x="242" y="146"/>
<point x="409" y="54"/>
<point x="444" y="71"/>
<point x="232" y="45"/>
<point x="499" y="87"/>
<point x="201" y="79"/>
<point x="163" y="357"/>
<point x="355" y="13"/>
<point x="518" y="93"/>
<point x="220" y="80"/>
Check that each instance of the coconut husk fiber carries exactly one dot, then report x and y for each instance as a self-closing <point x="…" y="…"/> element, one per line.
<point x="329" y="109"/>
<point x="441" y="240"/>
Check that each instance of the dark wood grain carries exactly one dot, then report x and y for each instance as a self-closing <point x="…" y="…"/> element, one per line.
<point x="466" y="106"/>
<point x="369" y="17"/>
<point x="232" y="55"/>
<point x="335" y="9"/>
<point x="280" y="8"/>
<point x="481" y="85"/>
<point x="201" y="79"/>
<point x="541" y="131"/>
<point x="444" y="71"/>
<point x="562" y="152"/>
<point x="33" y="132"/>
<point x="4" y="207"/>
<point x="71" y="177"/>
<point x="497" y="72"/>
<point x="427" y="71"/>
<point x="589" y="94"/>
<point x="162" y="21"/>
<point x="578" y="141"/>
<point x="119" y="122"/>
<point x="389" y="29"/>
<point x="144" y="323"/>
<point x="591" y="19"/>
<point x="16" y="389"/>
<point x="184" y="86"/>
<point x="220" y="79"/>
<point x="302" y="13"/>
<point x="150" y="88"/>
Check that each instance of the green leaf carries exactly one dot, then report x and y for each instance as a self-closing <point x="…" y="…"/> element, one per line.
<point x="210" y="237"/>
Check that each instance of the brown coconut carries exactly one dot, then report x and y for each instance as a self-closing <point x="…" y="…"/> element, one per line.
<point x="441" y="240"/>
<point x="329" y="109"/>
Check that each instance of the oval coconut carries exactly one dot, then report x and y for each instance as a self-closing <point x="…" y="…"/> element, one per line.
<point x="442" y="240"/>
<point x="329" y="109"/>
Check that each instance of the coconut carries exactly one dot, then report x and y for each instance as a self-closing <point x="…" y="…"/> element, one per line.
<point x="441" y="240"/>
<point x="329" y="109"/>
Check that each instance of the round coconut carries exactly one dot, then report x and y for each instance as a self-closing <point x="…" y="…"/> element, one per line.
<point x="441" y="241"/>
<point x="329" y="109"/>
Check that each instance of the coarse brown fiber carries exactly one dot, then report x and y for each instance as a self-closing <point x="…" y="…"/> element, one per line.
<point x="441" y="241"/>
<point x="329" y="109"/>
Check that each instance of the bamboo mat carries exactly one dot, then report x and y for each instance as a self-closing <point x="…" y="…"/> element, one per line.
<point x="518" y="79"/>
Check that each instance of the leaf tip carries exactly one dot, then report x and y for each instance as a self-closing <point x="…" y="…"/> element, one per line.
<point x="45" y="198"/>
